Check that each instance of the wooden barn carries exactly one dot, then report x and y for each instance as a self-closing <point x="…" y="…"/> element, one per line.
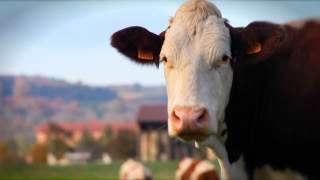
<point x="154" y="143"/>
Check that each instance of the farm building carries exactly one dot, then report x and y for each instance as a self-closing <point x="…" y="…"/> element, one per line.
<point x="154" y="143"/>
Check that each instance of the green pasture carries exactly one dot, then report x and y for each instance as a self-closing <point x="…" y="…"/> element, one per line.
<point x="161" y="170"/>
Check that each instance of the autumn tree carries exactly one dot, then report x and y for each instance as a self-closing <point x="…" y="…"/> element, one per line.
<point x="6" y="154"/>
<point x="106" y="137"/>
<point x="3" y="152"/>
<point x="123" y="146"/>
<point x="57" y="140"/>
<point x="86" y="143"/>
<point x="39" y="153"/>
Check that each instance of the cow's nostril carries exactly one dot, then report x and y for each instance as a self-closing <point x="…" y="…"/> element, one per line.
<point x="177" y="121"/>
<point x="175" y="117"/>
<point x="201" y="116"/>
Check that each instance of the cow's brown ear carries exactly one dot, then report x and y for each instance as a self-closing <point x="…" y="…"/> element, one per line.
<point x="139" y="44"/>
<point x="257" y="42"/>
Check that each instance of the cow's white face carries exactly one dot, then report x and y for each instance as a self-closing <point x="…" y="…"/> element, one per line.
<point x="196" y="54"/>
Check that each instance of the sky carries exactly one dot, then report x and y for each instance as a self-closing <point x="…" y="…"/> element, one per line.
<point x="70" y="40"/>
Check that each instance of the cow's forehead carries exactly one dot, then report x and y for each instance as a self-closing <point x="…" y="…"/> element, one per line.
<point x="202" y="7"/>
<point x="194" y="11"/>
<point x="199" y="30"/>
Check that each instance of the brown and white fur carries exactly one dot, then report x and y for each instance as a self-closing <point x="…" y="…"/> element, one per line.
<point x="195" y="169"/>
<point x="248" y="91"/>
<point x="134" y="170"/>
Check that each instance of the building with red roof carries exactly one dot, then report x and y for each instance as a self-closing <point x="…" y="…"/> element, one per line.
<point x="77" y="129"/>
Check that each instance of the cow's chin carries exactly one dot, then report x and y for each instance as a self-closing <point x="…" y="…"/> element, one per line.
<point x="212" y="141"/>
<point x="197" y="137"/>
<point x="215" y="143"/>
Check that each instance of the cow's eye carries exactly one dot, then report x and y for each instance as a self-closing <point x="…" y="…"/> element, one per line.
<point x="167" y="63"/>
<point x="164" y="59"/>
<point x="225" y="59"/>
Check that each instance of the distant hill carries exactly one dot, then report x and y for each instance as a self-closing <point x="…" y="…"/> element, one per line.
<point x="52" y="88"/>
<point x="26" y="101"/>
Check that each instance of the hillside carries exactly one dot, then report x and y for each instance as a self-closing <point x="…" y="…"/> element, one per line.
<point x="26" y="101"/>
<point x="52" y="89"/>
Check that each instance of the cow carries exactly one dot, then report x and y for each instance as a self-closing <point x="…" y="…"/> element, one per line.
<point x="250" y="93"/>
<point x="195" y="169"/>
<point x="134" y="170"/>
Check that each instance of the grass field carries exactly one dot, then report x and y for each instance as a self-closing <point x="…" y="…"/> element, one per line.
<point x="161" y="170"/>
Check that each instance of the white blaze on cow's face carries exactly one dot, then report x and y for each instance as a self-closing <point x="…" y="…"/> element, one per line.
<point x="198" y="73"/>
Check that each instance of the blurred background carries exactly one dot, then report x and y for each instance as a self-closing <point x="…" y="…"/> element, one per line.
<point x="72" y="107"/>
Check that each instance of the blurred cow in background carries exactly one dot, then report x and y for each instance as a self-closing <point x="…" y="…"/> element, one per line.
<point x="195" y="169"/>
<point x="134" y="170"/>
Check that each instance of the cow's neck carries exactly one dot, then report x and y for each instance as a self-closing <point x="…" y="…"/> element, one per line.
<point x="234" y="170"/>
<point x="229" y="171"/>
<point x="246" y="109"/>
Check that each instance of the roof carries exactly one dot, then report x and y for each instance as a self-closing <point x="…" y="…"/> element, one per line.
<point x="152" y="113"/>
<point x="91" y="126"/>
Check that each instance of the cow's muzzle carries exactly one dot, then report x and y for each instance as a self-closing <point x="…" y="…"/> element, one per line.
<point x="190" y="123"/>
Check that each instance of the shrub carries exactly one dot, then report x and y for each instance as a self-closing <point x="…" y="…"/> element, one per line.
<point x="7" y="155"/>
<point x="39" y="153"/>
<point x="123" y="146"/>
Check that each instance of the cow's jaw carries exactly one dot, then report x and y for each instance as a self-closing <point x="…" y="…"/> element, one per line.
<point x="196" y="76"/>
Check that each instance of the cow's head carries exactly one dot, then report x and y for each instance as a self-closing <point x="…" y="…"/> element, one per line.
<point x="196" y="56"/>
